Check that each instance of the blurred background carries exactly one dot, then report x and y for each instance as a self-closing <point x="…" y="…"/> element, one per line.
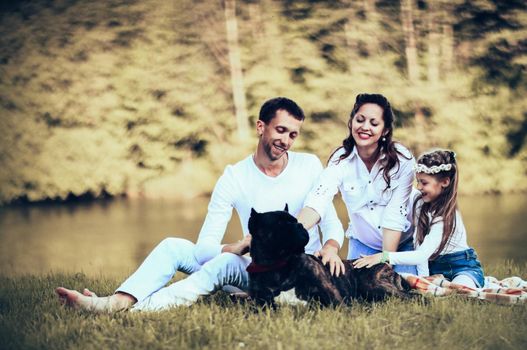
<point x="145" y="102"/>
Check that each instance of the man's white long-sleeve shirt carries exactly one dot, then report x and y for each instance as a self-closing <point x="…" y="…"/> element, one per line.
<point x="243" y="186"/>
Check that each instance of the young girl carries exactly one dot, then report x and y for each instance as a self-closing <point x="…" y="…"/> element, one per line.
<point x="440" y="236"/>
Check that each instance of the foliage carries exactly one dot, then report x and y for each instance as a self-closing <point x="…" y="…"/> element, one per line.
<point x="113" y="97"/>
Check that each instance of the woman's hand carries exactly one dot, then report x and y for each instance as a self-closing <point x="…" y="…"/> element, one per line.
<point x="240" y="248"/>
<point x="367" y="260"/>
<point x="329" y="254"/>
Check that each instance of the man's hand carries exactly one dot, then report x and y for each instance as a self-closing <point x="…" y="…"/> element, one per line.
<point x="329" y="254"/>
<point x="240" y="248"/>
<point x="367" y="260"/>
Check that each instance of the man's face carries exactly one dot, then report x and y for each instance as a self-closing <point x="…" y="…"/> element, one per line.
<point x="278" y="136"/>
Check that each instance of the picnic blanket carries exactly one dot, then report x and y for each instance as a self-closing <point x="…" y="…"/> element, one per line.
<point x="512" y="290"/>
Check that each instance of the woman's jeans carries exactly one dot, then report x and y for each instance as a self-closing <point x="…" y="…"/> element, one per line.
<point x="356" y="248"/>
<point x="459" y="263"/>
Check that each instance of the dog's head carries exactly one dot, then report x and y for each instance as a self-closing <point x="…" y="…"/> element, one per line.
<point x="275" y="235"/>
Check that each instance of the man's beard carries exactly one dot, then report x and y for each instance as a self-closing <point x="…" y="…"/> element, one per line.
<point x="268" y="148"/>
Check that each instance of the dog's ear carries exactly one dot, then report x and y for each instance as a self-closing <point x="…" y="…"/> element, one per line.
<point x="286" y="209"/>
<point x="253" y="222"/>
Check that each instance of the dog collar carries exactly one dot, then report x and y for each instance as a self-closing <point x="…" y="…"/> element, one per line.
<point x="257" y="268"/>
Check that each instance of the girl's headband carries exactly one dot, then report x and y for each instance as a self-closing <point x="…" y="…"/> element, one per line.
<point x="421" y="168"/>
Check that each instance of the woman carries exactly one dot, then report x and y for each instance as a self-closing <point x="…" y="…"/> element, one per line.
<point x="375" y="177"/>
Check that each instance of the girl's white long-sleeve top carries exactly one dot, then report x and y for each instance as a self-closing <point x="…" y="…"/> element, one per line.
<point x="431" y="242"/>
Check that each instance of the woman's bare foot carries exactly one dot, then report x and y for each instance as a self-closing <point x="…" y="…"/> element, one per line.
<point x="91" y="302"/>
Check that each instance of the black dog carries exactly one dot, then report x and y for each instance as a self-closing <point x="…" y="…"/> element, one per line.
<point x="280" y="264"/>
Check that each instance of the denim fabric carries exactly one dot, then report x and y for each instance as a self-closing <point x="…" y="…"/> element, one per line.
<point x="460" y="263"/>
<point x="356" y="248"/>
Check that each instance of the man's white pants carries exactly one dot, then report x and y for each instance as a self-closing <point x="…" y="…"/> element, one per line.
<point x="177" y="254"/>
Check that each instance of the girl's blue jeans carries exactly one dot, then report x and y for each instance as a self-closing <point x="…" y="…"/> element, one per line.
<point x="460" y="263"/>
<point x="356" y="248"/>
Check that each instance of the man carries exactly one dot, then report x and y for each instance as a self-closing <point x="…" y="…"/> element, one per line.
<point x="266" y="181"/>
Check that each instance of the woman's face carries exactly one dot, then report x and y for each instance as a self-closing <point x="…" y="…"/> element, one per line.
<point x="367" y="126"/>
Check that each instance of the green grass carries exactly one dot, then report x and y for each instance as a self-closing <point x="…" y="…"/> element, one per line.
<point x="31" y="318"/>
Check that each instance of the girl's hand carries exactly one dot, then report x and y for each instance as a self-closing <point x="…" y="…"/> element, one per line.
<point x="367" y="260"/>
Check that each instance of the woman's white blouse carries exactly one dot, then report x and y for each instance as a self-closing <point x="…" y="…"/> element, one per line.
<point x="371" y="205"/>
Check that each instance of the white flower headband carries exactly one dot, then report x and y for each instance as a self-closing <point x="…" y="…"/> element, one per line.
<point x="421" y="168"/>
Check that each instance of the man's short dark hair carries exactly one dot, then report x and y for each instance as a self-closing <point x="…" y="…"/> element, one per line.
<point x="269" y="108"/>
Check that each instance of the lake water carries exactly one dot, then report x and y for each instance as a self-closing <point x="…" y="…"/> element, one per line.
<point x="113" y="237"/>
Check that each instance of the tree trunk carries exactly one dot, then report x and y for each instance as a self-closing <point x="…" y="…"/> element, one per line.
<point x="409" y="39"/>
<point x="350" y="32"/>
<point x="433" y="44"/>
<point x="447" y="38"/>
<point x="273" y="37"/>
<point x="372" y="20"/>
<point x="447" y="47"/>
<point x="235" y="63"/>
<point x="257" y="22"/>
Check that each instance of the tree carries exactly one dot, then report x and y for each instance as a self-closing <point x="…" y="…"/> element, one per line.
<point x="235" y="63"/>
<point x="447" y="36"/>
<point x="372" y="18"/>
<point x="410" y="50"/>
<point x="434" y="42"/>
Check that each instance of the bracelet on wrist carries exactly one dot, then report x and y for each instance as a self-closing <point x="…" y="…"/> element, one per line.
<point x="385" y="257"/>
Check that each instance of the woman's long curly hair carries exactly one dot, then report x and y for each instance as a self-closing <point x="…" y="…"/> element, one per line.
<point x="386" y="144"/>
<point x="445" y="205"/>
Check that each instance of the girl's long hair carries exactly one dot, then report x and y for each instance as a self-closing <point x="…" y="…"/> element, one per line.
<point x="386" y="146"/>
<point x="445" y="205"/>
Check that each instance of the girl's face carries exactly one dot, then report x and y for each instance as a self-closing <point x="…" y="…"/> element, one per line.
<point x="367" y="125"/>
<point x="430" y="186"/>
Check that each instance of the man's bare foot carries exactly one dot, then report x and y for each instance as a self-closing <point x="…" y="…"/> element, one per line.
<point x="88" y="293"/>
<point x="91" y="302"/>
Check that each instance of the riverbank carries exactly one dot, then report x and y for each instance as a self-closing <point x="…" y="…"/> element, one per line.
<point x="193" y="182"/>
<point x="31" y="317"/>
